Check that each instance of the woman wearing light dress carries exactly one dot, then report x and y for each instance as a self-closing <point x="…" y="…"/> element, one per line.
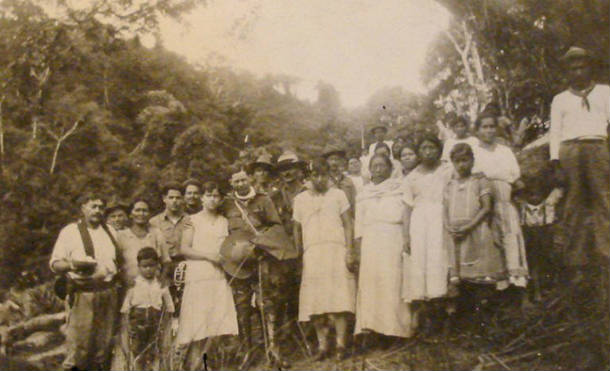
<point x="500" y="166"/>
<point x="426" y="261"/>
<point x="323" y="229"/>
<point x="380" y="230"/>
<point x="207" y="308"/>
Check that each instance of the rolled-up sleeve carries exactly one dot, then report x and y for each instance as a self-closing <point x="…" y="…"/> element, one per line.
<point x="63" y="246"/>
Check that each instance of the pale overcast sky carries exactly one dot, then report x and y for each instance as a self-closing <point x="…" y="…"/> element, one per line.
<point x="359" y="46"/>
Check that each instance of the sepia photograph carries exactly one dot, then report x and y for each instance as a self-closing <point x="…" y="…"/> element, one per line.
<point x="304" y="185"/>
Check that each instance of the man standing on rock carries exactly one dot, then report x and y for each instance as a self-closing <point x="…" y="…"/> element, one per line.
<point x="85" y="253"/>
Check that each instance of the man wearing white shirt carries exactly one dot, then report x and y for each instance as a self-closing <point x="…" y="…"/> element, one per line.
<point x="579" y="149"/>
<point x="579" y="153"/>
<point x="91" y="290"/>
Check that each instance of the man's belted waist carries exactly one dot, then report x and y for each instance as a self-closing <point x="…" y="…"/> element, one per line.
<point x="92" y="286"/>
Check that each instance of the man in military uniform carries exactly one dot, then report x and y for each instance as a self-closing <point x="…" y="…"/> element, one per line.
<point x="250" y="212"/>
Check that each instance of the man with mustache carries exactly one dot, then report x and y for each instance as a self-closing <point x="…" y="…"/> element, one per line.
<point x="86" y="253"/>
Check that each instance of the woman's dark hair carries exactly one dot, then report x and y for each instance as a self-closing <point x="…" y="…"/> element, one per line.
<point x="319" y="165"/>
<point x="135" y="201"/>
<point x="385" y="158"/>
<point x="485" y="115"/>
<point x="433" y="139"/>
<point x="460" y="150"/>
<point x="209" y="187"/>
<point x="147" y="253"/>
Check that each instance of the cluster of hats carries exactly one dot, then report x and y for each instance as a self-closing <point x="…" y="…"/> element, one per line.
<point x="286" y="161"/>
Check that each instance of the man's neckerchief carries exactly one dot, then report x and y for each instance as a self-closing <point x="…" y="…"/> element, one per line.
<point x="583" y="94"/>
<point x="247" y="197"/>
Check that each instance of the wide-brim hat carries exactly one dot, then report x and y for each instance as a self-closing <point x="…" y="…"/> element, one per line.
<point x="333" y="150"/>
<point x="263" y="161"/>
<point x="289" y="160"/>
<point x="237" y="254"/>
<point x="575" y="52"/>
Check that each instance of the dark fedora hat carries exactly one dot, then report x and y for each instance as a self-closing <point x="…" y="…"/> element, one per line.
<point x="263" y="161"/>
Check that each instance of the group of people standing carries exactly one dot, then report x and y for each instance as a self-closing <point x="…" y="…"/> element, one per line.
<point x="381" y="245"/>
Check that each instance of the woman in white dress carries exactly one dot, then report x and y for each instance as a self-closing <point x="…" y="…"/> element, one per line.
<point x="323" y="230"/>
<point x="426" y="262"/>
<point x="500" y="166"/>
<point x="207" y="309"/>
<point x="380" y="228"/>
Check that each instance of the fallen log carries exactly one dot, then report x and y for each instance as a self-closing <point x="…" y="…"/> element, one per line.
<point x="46" y="322"/>
<point x="37" y="341"/>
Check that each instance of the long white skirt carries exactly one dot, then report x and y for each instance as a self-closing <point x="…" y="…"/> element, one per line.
<point x="378" y="305"/>
<point x="207" y="304"/>
<point x="426" y="269"/>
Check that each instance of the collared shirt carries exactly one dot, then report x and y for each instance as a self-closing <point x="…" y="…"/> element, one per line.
<point x="570" y="119"/>
<point x="69" y="246"/>
<point x="260" y="209"/>
<point x="171" y="232"/>
<point x="147" y="294"/>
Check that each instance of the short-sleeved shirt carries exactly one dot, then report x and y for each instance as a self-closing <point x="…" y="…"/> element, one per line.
<point x="69" y="246"/>
<point x="320" y="216"/>
<point x="147" y="294"/>
<point x="463" y="199"/>
<point x="171" y="232"/>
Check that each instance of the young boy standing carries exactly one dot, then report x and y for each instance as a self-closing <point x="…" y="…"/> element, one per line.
<point x="143" y="308"/>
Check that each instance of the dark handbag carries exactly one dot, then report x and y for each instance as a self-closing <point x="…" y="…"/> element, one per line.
<point x="60" y="287"/>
